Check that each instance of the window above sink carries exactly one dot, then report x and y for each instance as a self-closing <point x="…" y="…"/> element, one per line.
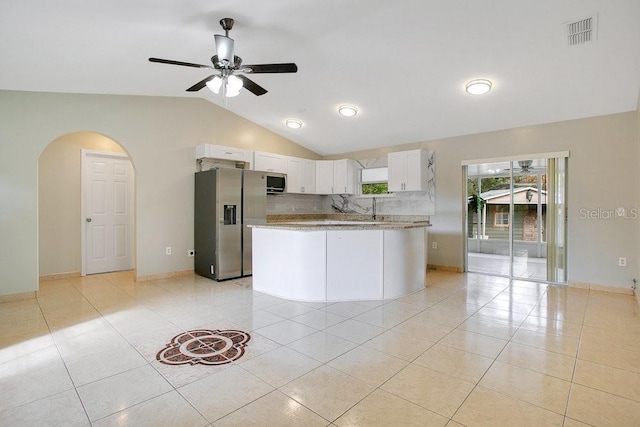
<point x="374" y="182"/>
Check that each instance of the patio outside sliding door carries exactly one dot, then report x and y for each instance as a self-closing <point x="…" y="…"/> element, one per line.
<point x="488" y="225"/>
<point x="516" y="218"/>
<point x="529" y="202"/>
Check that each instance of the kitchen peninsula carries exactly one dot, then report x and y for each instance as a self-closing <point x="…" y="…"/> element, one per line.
<point x="321" y="261"/>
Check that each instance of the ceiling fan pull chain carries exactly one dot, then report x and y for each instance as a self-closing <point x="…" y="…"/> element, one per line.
<point x="224" y="90"/>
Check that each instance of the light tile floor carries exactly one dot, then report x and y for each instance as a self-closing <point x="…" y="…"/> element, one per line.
<point x="469" y="350"/>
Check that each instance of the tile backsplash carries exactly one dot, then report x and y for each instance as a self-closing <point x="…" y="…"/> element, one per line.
<point x="297" y="204"/>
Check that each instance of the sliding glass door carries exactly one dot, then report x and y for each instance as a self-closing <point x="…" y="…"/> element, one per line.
<point x="557" y="220"/>
<point x="515" y="218"/>
<point x="488" y="214"/>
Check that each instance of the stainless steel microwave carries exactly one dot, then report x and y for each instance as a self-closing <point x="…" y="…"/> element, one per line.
<point x="276" y="183"/>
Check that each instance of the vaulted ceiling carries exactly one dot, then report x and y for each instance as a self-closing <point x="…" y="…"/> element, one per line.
<point x="404" y="64"/>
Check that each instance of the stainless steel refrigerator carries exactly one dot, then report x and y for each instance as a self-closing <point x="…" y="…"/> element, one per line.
<point x="226" y="202"/>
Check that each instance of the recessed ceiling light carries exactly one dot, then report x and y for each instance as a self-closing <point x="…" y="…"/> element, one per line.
<point x="293" y="123"/>
<point x="478" y="87"/>
<point x="347" y="110"/>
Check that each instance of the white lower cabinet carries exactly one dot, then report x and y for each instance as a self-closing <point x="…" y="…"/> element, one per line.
<point x="354" y="256"/>
<point x="402" y="271"/>
<point x="337" y="265"/>
<point x="290" y="264"/>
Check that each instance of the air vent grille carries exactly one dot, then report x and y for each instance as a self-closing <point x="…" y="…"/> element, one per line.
<point x="582" y="31"/>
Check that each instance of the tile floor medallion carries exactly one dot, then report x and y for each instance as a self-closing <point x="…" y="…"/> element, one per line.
<point x="203" y="346"/>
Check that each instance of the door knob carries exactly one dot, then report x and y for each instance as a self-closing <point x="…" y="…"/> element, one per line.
<point x="88" y="219"/>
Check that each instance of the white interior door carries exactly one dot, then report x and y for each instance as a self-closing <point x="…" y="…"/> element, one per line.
<point x="107" y="206"/>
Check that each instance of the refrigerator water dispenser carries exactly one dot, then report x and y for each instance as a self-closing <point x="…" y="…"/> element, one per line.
<point x="229" y="214"/>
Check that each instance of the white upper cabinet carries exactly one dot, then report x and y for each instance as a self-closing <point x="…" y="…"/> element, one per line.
<point x="211" y="151"/>
<point x="304" y="176"/>
<point x="408" y="171"/>
<point x="336" y="176"/>
<point x="345" y="176"/>
<point x="269" y="162"/>
<point x="397" y="171"/>
<point x="301" y="176"/>
<point x="324" y="177"/>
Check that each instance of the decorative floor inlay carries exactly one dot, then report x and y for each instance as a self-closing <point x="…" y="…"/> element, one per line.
<point x="205" y="347"/>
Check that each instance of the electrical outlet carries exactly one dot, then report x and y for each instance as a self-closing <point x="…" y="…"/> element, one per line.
<point x="434" y="245"/>
<point x="191" y="253"/>
<point x="622" y="262"/>
<point x="167" y="250"/>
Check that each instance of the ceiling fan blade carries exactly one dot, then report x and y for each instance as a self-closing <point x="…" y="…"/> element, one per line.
<point x="202" y="83"/>
<point x="252" y="86"/>
<point x="288" y="67"/>
<point x="184" y="64"/>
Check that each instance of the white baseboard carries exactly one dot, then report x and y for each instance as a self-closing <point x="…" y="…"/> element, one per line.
<point x="449" y="268"/>
<point x="17" y="297"/>
<point x="601" y="288"/>
<point x="170" y="275"/>
<point x="59" y="276"/>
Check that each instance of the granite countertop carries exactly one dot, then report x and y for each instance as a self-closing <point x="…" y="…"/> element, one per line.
<point x="299" y="217"/>
<point x="316" y="225"/>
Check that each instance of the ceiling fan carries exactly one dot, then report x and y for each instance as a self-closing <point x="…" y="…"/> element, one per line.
<point x="526" y="167"/>
<point x="230" y="77"/>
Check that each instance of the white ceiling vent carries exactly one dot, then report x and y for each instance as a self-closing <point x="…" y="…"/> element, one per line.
<point x="581" y="31"/>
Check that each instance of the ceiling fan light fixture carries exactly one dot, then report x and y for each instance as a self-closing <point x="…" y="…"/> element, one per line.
<point x="293" y="123"/>
<point x="215" y="84"/>
<point x="233" y="85"/>
<point x="478" y="87"/>
<point x="347" y="110"/>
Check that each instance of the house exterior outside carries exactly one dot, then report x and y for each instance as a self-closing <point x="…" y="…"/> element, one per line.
<point x="493" y="221"/>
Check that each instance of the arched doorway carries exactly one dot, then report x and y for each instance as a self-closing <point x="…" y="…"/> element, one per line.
<point x="60" y="222"/>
